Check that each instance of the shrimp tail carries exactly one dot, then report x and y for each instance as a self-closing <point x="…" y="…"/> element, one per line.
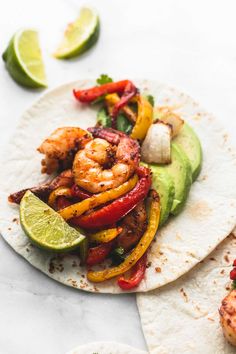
<point x="112" y="136"/>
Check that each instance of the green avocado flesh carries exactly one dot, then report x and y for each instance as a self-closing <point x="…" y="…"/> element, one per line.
<point x="190" y="143"/>
<point x="180" y="174"/>
<point x="173" y="181"/>
<point x="163" y="183"/>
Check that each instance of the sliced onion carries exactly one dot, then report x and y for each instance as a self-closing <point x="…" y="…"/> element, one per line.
<point x="166" y="115"/>
<point x="156" y="146"/>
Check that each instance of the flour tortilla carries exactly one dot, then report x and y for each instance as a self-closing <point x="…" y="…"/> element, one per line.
<point x="183" y="317"/>
<point x="209" y="216"/>
<point x="106" y="348"/>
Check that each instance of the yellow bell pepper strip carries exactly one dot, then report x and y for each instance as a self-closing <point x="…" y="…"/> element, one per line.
<point x="60" y="191"/>
<point x="144" y="119"/>
<point x="105" y="235"/>
<point x="116" y="210"/>
<point x="138" y="251"/>
<point x="113" y="99"/>
<point x="78" y="209"/>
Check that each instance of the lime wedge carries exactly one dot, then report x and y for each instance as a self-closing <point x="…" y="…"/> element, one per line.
<point x="80" y="35"/>
<point x="23" y="59"/>
<point x="45" y="227"/>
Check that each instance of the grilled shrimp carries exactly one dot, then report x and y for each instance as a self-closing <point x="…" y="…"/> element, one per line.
<point x="105" y="162"/>
<point x="228" y="317"/>
<point x="60" y="147"/>
<point x="133" y="227"/>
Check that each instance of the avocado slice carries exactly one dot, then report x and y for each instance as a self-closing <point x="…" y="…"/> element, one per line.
<point x="163" y="183"/>
<point x="181" y="173"/>
<point x="191" y="145"/>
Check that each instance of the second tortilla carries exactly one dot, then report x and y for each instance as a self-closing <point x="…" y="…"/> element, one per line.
<point x="183" y="317"/>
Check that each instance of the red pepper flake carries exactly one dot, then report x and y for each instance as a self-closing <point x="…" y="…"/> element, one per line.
<point x="233" y="274"/>
<point x="158" y="269"/>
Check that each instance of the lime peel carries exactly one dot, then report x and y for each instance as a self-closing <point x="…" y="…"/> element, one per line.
<point x="24" y="61"/>
<point x="45" y="227"/>
<point x="80" y="35"/>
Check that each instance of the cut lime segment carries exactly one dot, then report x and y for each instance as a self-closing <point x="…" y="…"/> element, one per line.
<point x="45" y="227"/>
<point x="80" y="35"/>
<point x="24" y="61"/>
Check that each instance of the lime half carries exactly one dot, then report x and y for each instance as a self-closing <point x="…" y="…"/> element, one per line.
<point x="79" y="35"/>
<point x="23" y="59"/>
<point x="45" y="227"/>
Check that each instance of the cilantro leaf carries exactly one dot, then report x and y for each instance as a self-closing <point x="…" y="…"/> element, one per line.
<point x="117" y="255"/>
<point x="103" y="118"/>
<point x="234" y="284"/>
<point x="104" y="79"/>
<point x="150" y="99"/>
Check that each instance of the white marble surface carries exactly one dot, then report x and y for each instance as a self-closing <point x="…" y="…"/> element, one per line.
<point x="189" y="44"/>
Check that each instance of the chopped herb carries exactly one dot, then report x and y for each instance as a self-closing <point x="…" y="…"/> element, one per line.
<point x="150" y="99"/>
<point x="117" y="255"/>
<point x="104" y="79"/>
<point x="234" y="284"/>
<point x="123" y="124"/>
<point x="103" y="118"/>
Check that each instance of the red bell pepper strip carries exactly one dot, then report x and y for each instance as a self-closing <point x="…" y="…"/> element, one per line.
<point x="90" y="95"/>
<point x="77" y="192"/>
<point x="233" y="271"/>
<point x="114" y="211"/>
<point x="129" y="92"/>
<point x="138" y="272"/>
<point x="125" y="87"/>
<point x="62" y="202"/>
<point x="98" y="254"/>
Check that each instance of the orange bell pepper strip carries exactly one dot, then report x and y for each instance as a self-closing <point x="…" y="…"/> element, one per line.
<point x="78" y="209"/>
<point x="138" y="251"/>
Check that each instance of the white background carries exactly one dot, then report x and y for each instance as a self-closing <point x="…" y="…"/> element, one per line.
<point x="189" y="44"/>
